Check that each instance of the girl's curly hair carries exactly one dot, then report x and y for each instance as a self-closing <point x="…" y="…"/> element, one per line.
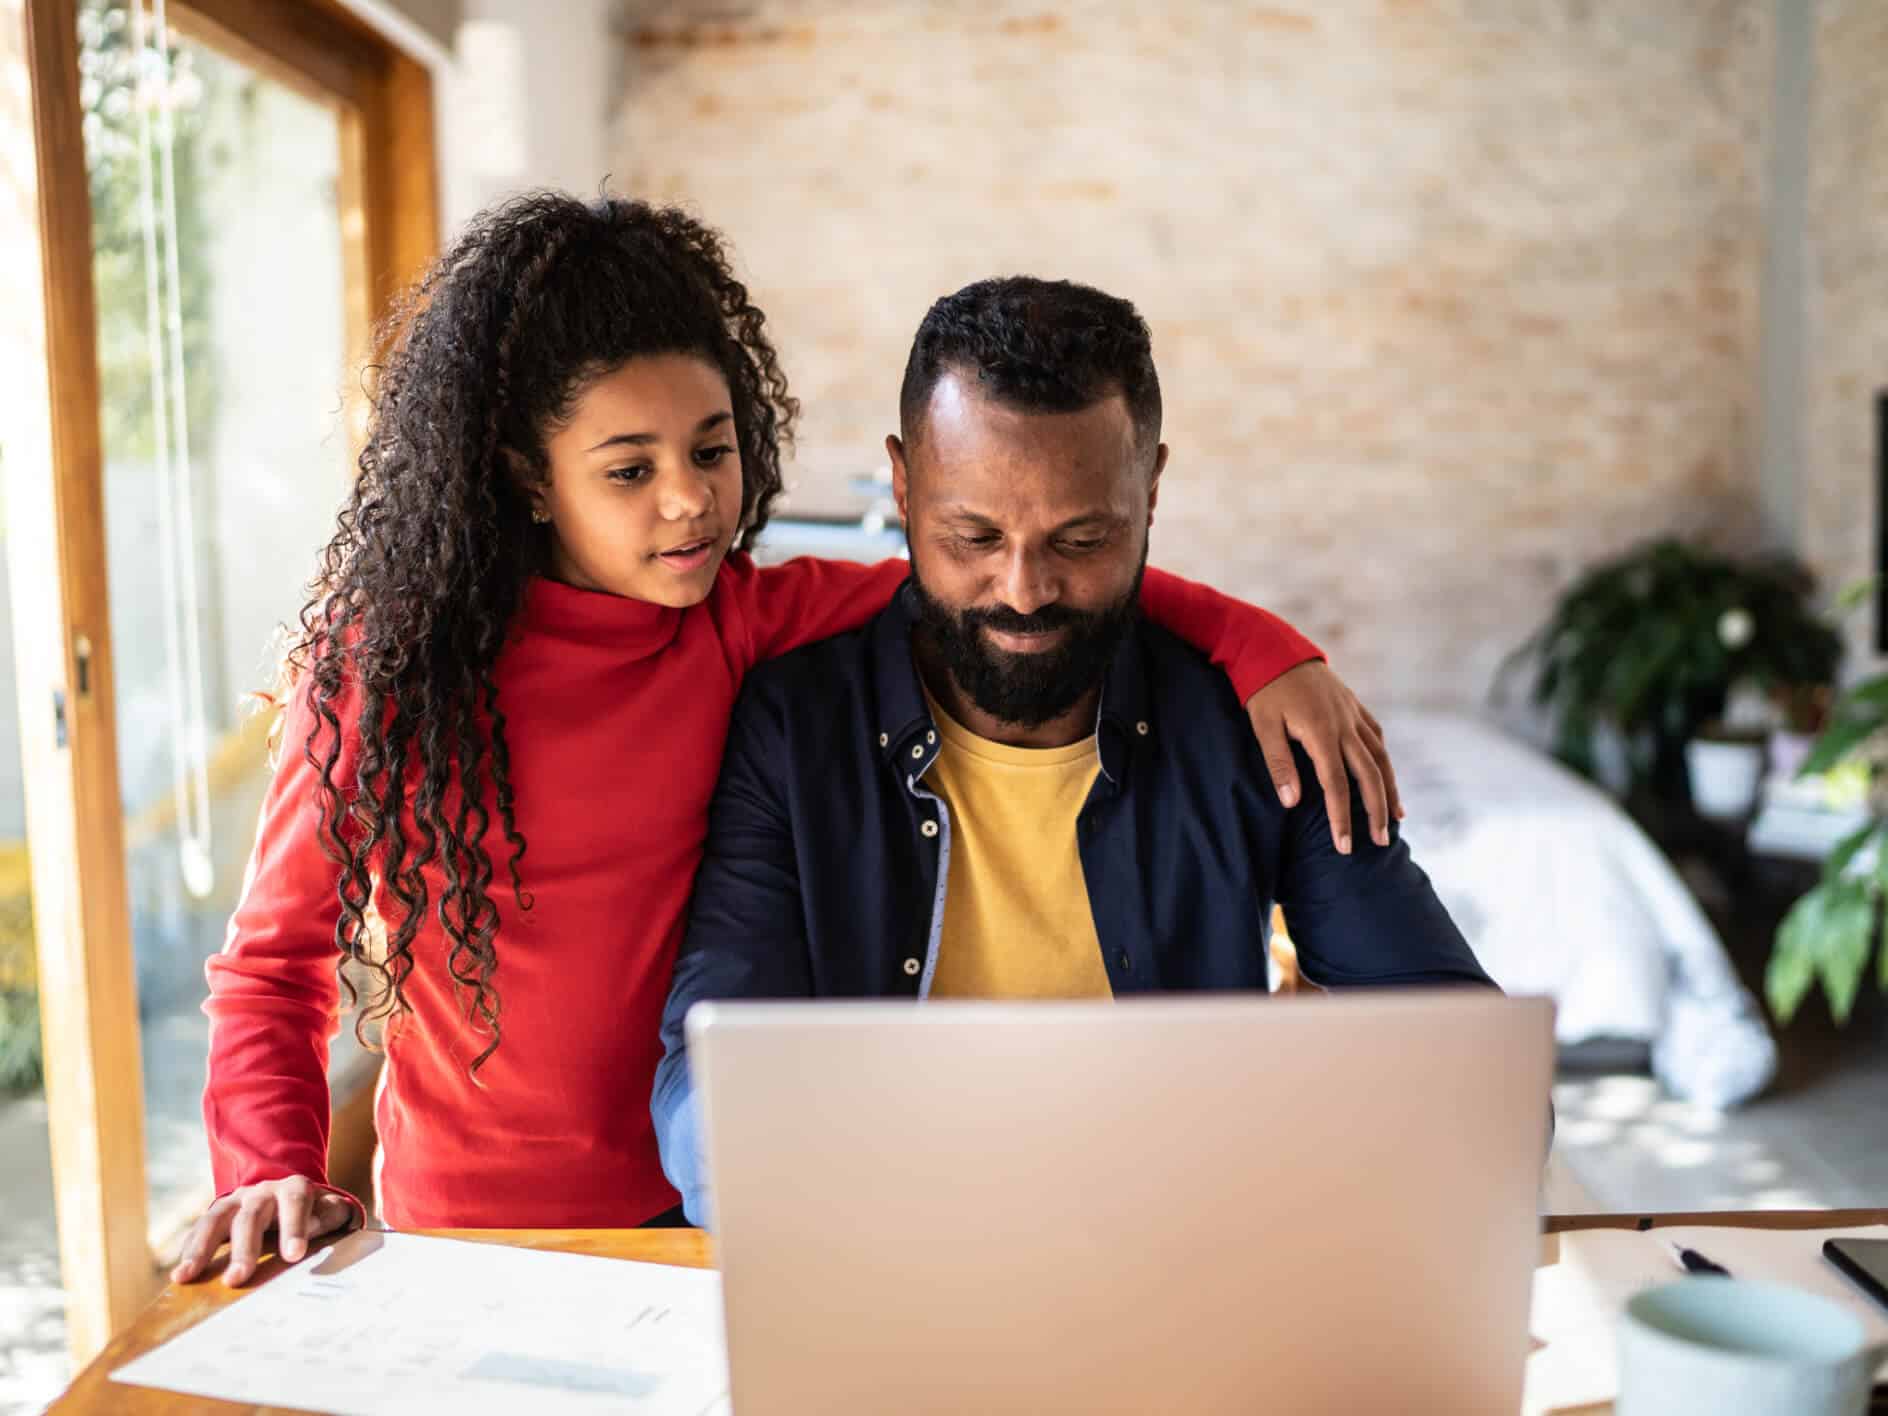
<point x="414" y="596"/>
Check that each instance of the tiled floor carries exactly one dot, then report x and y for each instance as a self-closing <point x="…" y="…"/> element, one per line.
<point x="1818" y="1138"/>
<point x="33" y="1364"/>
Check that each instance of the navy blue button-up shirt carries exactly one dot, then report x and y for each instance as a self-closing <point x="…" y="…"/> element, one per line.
<point x="827" y="857"/>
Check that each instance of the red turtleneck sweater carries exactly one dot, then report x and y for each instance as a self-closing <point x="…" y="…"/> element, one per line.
<point x="617" y="711"/>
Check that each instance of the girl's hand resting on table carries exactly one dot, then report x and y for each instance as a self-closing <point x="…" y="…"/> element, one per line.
<point x="296" y="1210"/>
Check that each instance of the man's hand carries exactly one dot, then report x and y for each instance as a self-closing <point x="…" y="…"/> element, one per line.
<point x="297" y="1209"/>
<point x="1313" y="705"/>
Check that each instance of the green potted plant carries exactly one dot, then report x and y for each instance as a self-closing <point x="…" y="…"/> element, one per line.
<point x="1652" y="643"/>
<point x="1830" y="932"/>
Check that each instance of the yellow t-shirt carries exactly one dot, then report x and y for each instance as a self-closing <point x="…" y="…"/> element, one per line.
<point x="1017" y="922"/>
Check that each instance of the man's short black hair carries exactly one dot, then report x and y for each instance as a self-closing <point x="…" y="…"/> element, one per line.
<point x="1041" y="346"/>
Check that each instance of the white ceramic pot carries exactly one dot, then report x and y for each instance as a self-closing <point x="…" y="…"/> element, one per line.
<point x="1724" y="777"/>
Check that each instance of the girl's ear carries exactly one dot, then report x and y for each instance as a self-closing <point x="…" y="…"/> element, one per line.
<point x="518" y="466"/>
<point x="530" y="486"/>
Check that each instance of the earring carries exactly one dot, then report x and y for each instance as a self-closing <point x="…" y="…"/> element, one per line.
<point x="539" y="516"/>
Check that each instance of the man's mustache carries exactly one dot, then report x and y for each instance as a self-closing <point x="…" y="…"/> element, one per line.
<point x="1005" y="620"/>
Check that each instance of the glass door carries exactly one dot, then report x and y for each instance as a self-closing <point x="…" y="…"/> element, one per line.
<point x="227" y="192"/>
<point x="33" y="1360"/>
<point x="220" y="265"/>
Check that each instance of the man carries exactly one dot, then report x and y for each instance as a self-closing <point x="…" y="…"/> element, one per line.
<point x="1008" y="785"/>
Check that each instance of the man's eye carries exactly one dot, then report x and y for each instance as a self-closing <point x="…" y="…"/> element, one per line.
<point x="628" y="476"/>
<point x="1083" y="547"/>
<point x="976" y="540"/>
<point x="711" y="456"/>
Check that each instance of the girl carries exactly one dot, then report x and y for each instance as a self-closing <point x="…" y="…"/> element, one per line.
<point x="505" y="718"/>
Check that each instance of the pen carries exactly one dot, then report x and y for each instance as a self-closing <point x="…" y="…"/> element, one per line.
<point x="1694" y="1262"/>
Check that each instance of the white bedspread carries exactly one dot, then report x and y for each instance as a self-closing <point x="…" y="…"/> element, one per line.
<point x="1560" y="893"/>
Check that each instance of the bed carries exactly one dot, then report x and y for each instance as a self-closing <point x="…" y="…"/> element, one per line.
<point x="1561" y="894"/>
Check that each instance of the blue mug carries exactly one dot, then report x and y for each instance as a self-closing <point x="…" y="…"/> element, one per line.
<point x="1706" y="1346"/>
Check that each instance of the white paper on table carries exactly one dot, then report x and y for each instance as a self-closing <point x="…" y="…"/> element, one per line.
<point x="385" y="1323"/>
<point x="1577" y="1302"/>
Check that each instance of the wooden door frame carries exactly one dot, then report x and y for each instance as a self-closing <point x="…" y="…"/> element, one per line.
<point x="57" y="549"/>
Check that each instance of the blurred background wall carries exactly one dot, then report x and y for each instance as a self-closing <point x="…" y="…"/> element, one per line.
<point x="1450" y="298"/>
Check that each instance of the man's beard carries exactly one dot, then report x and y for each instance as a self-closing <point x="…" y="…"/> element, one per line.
<point x="1027" y="690"/>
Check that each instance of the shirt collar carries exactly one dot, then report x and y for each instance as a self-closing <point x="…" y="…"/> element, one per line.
<point x="626" y="628"/>
<point x="907" y="738"/>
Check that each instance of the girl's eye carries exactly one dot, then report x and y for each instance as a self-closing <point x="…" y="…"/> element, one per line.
<point x="712" y="456"/>
<point x="628" y="476"/>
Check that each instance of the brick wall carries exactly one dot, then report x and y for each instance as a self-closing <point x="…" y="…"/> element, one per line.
<point x="1846" y="290"/>
<point x="1449" y="297"/>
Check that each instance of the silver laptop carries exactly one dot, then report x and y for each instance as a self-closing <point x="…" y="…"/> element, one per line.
<point x="1313" y="1204"/>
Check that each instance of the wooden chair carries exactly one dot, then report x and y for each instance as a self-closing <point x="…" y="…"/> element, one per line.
<point x="1285" y="975"/>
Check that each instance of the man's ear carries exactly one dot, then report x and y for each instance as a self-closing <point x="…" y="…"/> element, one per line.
<point x="1153" y="489"/>
<point x="895" y="450"/>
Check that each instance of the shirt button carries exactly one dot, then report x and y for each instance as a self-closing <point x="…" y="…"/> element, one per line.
<point x="928" y="829"/>
<point x="884" y="739"/>
<point x="911" y="968"/>
<point x="917" y="752"/>
<point x="1141" y="728"/>
<point x="930" y="737"/>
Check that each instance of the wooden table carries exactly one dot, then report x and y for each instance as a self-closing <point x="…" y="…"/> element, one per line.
<point x="178" y="1308"/>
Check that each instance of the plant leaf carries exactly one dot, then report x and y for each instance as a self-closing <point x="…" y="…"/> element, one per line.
<point x="21" y="1063"/>
<point x="1633" y="675"/>
<point x="1881" y="955"/>
<point x="1842" y="952"/>
<point x="1839" y="739"/>
<point x="1847" y="849"/>
<point x="1792" y="967"/>
<point x="1857" y="594"/>
<point x="1825" y="937"/>
<point x="1872" y="693"/>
